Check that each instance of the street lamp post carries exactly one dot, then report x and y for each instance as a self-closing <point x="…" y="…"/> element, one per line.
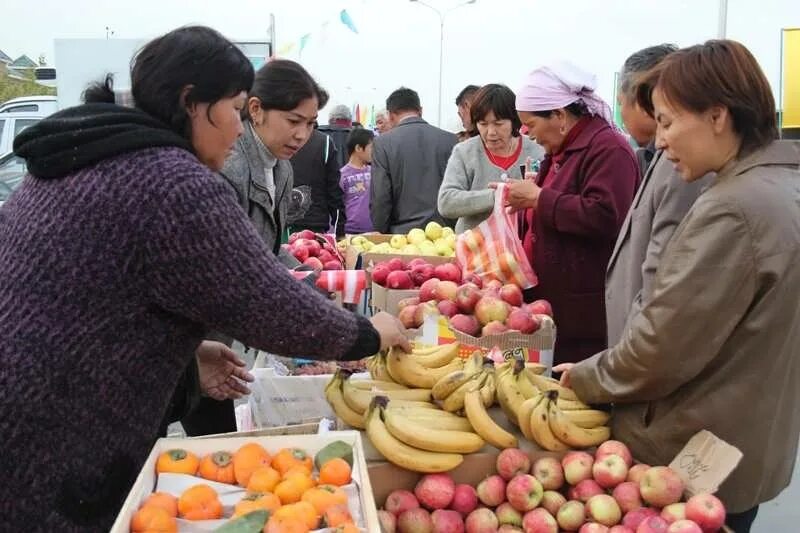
<point x="442" y="15"/>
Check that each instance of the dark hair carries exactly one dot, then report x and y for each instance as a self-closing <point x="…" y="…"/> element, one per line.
<point x="639" y="62"/>
<point x="577" y="109"/>
<point x="282" y="84"/>
<point x="716" y="73"/>
<point x="100" y="91"/>
<point x="359" y="137"/>
<point x="403" y="99"/>
<point x="466" y="94"/>
<point x="499" y="100"/>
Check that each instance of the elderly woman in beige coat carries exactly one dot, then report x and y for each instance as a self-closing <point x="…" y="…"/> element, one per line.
<point x="717" y="345"/>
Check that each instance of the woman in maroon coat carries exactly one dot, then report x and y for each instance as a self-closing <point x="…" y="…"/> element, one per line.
<point x="574" y="207"/>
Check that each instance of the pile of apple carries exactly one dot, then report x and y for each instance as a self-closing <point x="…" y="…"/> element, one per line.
<point x="472" y="309"/>
<point x="397" y="274"/>
<point x="606" y="493"/>
<point x="316" y="253"/>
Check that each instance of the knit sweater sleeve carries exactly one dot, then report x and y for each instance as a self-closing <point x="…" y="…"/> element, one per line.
<point x="205" y="262"/>
<point x="458" y="196"/>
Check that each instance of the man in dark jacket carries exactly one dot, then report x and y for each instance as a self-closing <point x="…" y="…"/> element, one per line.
<point x="340" y="124"/>
<point x="408" y="165"/>
<point x="316" y="166"/>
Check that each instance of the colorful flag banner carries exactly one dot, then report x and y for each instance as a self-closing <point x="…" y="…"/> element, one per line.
<point x="347" y="20"/>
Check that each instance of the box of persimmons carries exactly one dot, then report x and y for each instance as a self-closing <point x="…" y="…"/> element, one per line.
<point x="273" y="484"/>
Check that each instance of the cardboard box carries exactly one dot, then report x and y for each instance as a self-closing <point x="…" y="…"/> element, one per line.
<point x="146" y="481"/>
<point x="384" y="299"/>
<point x="354" y="259"/>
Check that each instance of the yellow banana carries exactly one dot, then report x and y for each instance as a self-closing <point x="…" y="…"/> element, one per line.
<point x="449" y="383"/>
<point x="569" y="433"/>
<point x="425" y="438"/>
<point x="544" y="384"/>
<point x="413" y="404"/>
<point x="524" y="415"/>
<point x="540" y="428"/>
<point x="587" y="418"/>
<point x="440" y="357"/>
<point x="423" y="350"/>
<point x="483" y="424"/>
<point x="455" y="401"/>
<point x="488" y="389"/>
<point x="402" y="454"/>
<point x="431" y="418"/>
<point x="333" y="393"/>
<point x="536" y="368"/>
<point x="358" y="399"/>
<point x="406" y="370"/>
<point x="379" y="371"/>
<point x="369" y="384"/>
<point x="509" y="396"/>
<point x="570" y="405"/>
<point x="524" y="384"/>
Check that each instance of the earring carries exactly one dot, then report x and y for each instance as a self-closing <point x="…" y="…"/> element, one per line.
<point x="562" y="130"/>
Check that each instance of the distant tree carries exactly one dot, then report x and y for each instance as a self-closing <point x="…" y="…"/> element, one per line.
<point x="14" y="88"/>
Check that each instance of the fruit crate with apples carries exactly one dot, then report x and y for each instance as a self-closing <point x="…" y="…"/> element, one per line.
<point x="531" y="490"/>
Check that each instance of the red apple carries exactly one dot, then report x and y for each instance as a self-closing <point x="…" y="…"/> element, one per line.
<point x="522" y="321"/>
<point x="493" y="328"/>
<point x="603" y="509"/>
<point x="571" y="515"/>
<point x="300" y="253"/>
<point x="467" y="297"/>
<point x="395" y="263"/>
<point x="506" y="514"/>
<point x="481" y="520"/>
<point x="684" y="526"/>
<point x="314" y="263"/>
<point x="379" y="274"/>
<point x="400" y="280"/>
<point x="466" y="324"/>
<point x="490" y="309"/>
<point x="524" y="492"/>
<point x="399" y="501"/>
<point x="408" y="317"/>
<point x="511" y="294"/>
<point x="614" y="447"/>
<point x="577" y="467"/>
<point x="445" y="521"/>
<point x="448" y="272"/>
<point x="552" y="501"/>
<point x="585" y="490"/>
<point x="512" y="461"/>
<point x="539" y="521"/>
<point x="609" y="471"/>
<point x="633" y="519"/>
<point x="474" y="279"/>
<point x="333" y="264"/>
<point x="293" y="237"/>
<point x="661" y="486"/>
<point x="435" y="491"/>
<point x="447" y="308"/>
<point x="388" y="521"/>
<point x="405" y="302"/>
<point x="653" y="524"/>
<point x="549" y="472"/>
<point x="427" y="292"/>
<point x="492" y="491"/>
<point x="706" y="510"/>
<point x="465" y="499"/>
<point x="627" y="496"/>
<point x="325" y="256"/>
<point x="508" y="528"/>
<point x="674" y="512"/>
<point x="593" y="527"/>
<point x="415" y="521"/>
<point x="421" y="273"/>
<point x="416" y="262"/>
<point x="446" y="290"/>
<point x="493" y="285"/>
<point x="307" y="234"/>
<point x="636" y="472"/>
<point x="540" y="307"/>
<point x="621" y="529"/>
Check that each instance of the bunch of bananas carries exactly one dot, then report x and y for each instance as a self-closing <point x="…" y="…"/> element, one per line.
<point x="547" y="413"/>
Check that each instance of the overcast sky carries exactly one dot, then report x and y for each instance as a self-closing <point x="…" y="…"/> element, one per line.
<point x="398" y="41"/>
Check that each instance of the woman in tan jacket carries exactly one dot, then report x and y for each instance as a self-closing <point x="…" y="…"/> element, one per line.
<point x="716" y="348"/>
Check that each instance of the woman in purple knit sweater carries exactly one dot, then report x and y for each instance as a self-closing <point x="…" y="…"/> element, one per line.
<point x="117" y="254"/>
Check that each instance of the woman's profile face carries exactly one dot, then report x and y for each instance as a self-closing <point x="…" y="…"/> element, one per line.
<point x="215" y="128"/>
<point x="285" y="132"/>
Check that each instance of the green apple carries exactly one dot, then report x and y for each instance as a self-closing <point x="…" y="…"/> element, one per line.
<point x="410" y="249"/>
<point x="433" y="230"/>
<point x="398" y="241"/>
<point x="416" y="236"/>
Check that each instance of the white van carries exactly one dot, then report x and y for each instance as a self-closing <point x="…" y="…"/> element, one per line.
<point x="12" y="124"/>
<point x="40" y="105"/>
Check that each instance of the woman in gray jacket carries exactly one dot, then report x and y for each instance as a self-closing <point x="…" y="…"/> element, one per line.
<point x="496" y="153"/>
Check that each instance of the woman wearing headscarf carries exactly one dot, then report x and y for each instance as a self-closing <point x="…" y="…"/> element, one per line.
<point x="573" y="208"/>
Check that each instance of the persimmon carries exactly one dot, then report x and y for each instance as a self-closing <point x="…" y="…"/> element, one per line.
<point x="297" y="469"/>
<point x="256" y="501"/>
<point x="335" y="471"/>
<point x="286" y="525"/>
<point x="289" y="457"/>
<point x="199" y="502"/>
<point x="324" y="496"/>
<point x="177" y="461"/>
<point x="264" y="479"/>
<point x="301" y="510"/>
<point x="337" y="515"/>
<point x="152" y="519"/>
<point x="291" y="490"/>
<point x="217" y="466"/>
<point x="164" y="500"/>
<point x="247" y="460"/>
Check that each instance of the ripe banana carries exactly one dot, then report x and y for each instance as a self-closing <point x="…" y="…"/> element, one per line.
<point x="358" y="399"/>
<point x="425" y="438"/>
<point x="540" y="428"/>
<point x="333" y="393"/>
<point x="483" y="424"/>
<point x="455" y="402"/>
<point x="536" y="368"/>
<point x="369" y="384"/>
<point x="432" y="418"/>
<point x="571" y="405"/>
<point x="423" y="350"/>
<point x="524" y="384"/>
<point x="449" y="383"/>
<point x="440" y="357"/>
<point x="406" y="370"/>
<point x="489" y="388"/>
<point x="402" y="454"/>
<point x="587" y="418"/>
<point x="571" y="434"/>
<point x="378" y="370"/>
<point x="509" y="396"/>
<point x="525" y="412"/>
<point x="544" y="384"/>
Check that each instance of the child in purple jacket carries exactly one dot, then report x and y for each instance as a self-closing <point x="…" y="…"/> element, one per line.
<point x="355" y="181"/>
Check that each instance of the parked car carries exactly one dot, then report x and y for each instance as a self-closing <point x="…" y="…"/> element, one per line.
<point x="12" y="171"/>
<point x="12" y="124"/>
<point x="41" y="105"/>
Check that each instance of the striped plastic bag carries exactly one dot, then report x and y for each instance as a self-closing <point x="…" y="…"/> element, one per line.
<point x="493" y="250"/>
